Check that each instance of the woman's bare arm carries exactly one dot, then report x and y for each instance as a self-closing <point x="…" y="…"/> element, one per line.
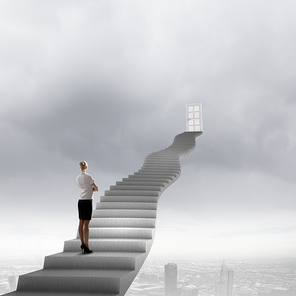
<point x="95" y="187"/>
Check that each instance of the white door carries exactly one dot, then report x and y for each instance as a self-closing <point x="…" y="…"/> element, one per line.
<point x="194" y="118"/>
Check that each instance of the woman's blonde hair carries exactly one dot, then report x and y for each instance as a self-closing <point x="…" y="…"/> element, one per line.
<point x="83" y="165"/>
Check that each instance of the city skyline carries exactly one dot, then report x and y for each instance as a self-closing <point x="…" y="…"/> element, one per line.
<point x="251" y="277"/>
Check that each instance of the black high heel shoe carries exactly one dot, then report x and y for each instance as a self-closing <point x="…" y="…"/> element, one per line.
<point x="82" y="247"/>
<point x="87" y="250"/>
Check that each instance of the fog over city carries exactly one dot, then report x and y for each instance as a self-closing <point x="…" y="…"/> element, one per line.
<point x="108" y="82"/>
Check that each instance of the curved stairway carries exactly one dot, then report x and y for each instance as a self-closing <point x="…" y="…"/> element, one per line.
<point x="121" y="233"/>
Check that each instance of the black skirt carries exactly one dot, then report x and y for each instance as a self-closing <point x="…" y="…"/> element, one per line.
<point x="85" y="209"/>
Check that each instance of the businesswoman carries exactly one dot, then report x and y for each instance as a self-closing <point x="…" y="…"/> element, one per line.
<point x="88" y="186"/>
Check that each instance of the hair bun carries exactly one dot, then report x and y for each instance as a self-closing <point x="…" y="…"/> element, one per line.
<point x="83" y="165"/>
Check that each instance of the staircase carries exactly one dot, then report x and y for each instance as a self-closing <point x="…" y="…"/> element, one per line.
<point x="121" y="233"/>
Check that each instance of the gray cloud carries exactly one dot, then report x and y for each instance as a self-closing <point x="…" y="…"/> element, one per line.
<point x="108" y="82"/>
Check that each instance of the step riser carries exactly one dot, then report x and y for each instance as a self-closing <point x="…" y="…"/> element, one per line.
<point x="163" y="164"/>
<point x="108" y="246"/>
<point x="133" y="178"/>
<point x="136" y="187"/>
<point x="126" y="205"/>
<point x="123" y="222"/>
<point x="41" y="293"/>
<point x="147" y="176"/>
<point x="164" y="156"/>
<point x="139" y="183"/>
<point x="131" y="193"/>
<point x="140" y="199"/>
<point x="156" y="164"/>
<point x="89" y="262"/>
<point x="163" y="175"/>
<point x="161" y="168"/>
<point x="150" y="178"/>
<point x="127" y="233"/>
<point x="124" y="214"/>
<point x="158" y="171"/>
<point x="83" y="284"/>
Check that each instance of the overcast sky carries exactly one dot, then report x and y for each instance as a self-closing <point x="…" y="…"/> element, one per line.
<point x="108" y="82"/>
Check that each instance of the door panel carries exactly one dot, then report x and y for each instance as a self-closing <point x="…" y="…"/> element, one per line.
<point x="194" y="118"/>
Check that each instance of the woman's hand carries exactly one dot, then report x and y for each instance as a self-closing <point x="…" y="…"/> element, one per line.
<point x="94" y="187"/>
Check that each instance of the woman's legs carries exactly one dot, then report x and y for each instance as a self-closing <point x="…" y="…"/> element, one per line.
<point x="83" y="230"/>
<point x="80" y="231"/>
<point x="86" y="232"/>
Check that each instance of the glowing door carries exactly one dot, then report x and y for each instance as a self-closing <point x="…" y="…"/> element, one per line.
<point x="194" y="118"/>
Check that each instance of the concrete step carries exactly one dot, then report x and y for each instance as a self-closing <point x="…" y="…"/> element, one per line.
<point x="167" y="179"/>
<point x="108" y="245"/>
<point x="127" y="205"/>
<point x="96" y="260"/>
<point x="157" y="163"/>
<point x="131" y="192"/>
<point x="129" y="198"/>
<point x="40" y="293"/>
<point x="136" y="187"/>
<point x="149" y="179"/>
<point x="123" y="222"/>
<point x="120" y="233"/>
<point x="158" y="170"/>
<point x="123" y="213"/>
<point x="86" y="281"/>
<point x="161" y="161"/>
<point x="129" y="182"/>
<point x="162" y="157"/>
<point x="156" y="174"/>
<point x="181" y="147"/>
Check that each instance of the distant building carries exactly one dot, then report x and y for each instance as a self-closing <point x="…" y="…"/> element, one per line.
<point x="12" y="279"/>
<point x="170" y="279"/>
<point x="226" y="281"/>
<point x="190" y="290"/>
<point x="151" y="278"/>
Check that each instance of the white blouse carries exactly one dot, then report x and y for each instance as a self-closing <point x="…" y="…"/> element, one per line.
<point x="84" y="181"/>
